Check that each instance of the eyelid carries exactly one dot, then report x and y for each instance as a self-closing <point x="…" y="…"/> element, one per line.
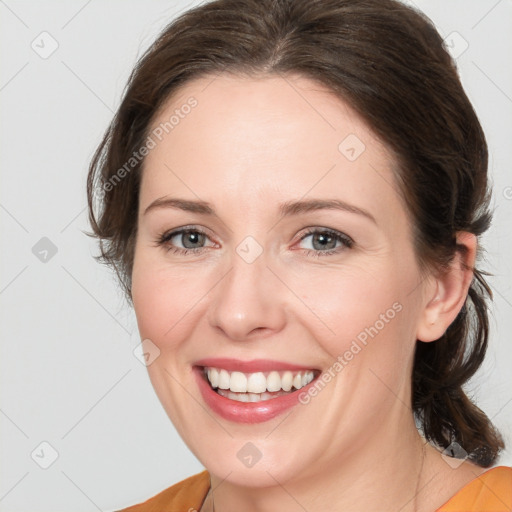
<point x="177" y="231"/>
<point x="163" y="240"/>
<point x="338" y="234"/>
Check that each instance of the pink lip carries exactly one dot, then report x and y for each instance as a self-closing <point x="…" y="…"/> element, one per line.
<point x="246" y="412"/>
<point x="256" y="365"/>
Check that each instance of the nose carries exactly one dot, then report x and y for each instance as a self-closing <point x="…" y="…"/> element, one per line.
<point x="248" y="302"/>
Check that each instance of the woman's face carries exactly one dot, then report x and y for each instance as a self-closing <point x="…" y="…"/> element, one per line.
<point x="299" y="264"/>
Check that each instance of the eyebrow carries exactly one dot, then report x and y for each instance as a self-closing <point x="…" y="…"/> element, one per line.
<point x="286" y="209"/>
<point x="201" y="207"/>
<point x="308" y="205"/>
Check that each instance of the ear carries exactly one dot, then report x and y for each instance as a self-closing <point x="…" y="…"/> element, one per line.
<point x="448" y="291"/>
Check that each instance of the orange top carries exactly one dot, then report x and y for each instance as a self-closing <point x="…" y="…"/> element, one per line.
<point x="489" y="492"/>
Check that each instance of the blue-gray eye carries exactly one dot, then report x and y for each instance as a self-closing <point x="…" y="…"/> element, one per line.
<point x="190" y="239"/>
<point x="326" y="240"/>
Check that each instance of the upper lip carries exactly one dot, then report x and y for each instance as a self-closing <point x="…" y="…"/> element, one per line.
<point x="252" y="366"/>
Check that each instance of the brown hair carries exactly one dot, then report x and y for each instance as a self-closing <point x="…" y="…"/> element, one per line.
<point x="389" y="63"/>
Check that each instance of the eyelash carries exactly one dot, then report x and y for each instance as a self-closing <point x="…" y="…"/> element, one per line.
<point x="347" y="242"/>
<point x="163" y="240"/>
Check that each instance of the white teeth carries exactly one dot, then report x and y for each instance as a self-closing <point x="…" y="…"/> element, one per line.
<point x="286" y="381"/>
<point x="273" y="381"/>
<point x="246" y="397"/>
<point x="257" y="385"/>
<point x="243" y="397"/>
<point x="213" y="377"/>
<point x="238" y="382"/>
<point x="223" y="379"/>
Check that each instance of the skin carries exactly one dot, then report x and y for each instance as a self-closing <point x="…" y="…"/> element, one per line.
<point x="249" y="145"/>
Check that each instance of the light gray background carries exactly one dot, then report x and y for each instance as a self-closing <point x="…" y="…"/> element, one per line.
<point x="68" y="373"/>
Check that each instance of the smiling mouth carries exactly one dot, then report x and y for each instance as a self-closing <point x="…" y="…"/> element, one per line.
<point x="258" y="386"/>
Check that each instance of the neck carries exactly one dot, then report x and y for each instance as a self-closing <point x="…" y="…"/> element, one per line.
<point x="385" y="475"/>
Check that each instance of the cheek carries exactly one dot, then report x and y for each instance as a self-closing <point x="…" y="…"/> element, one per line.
<point x="334" y="305"/>
<point x="363" y="320"/>
<point x="162" y="301"/>
<point x="346" y="301"/>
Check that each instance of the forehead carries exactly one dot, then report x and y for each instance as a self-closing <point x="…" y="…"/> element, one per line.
<point x="268" y="138"/>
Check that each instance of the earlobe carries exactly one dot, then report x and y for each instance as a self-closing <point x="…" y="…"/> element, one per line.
<point x="449" y="290"/>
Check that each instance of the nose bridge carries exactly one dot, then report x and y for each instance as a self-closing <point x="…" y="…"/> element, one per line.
<point x="246" y="299"/>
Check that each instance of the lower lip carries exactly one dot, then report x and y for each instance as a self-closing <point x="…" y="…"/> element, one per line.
<point x="246" y="412"/>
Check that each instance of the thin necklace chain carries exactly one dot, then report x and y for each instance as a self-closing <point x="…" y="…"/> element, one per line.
<point x="415" y="492"/>
<point x="419" y="478"/>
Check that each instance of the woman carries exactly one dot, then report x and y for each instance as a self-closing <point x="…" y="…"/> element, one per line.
<point x="292" y="193"/>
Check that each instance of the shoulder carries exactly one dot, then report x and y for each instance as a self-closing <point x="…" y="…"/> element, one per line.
<point x="185" y="496"/>
<point x="491" y="491"/>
